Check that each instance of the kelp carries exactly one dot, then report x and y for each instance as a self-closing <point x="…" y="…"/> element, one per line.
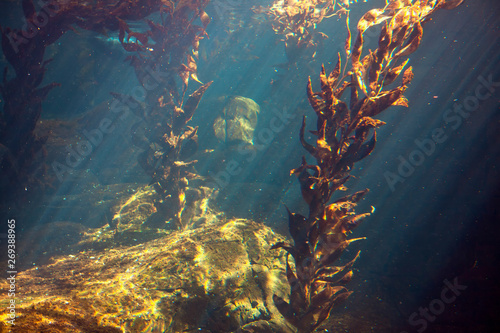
<point x="168" y="50"/>
<point x="169" y="47"/>
<point x="297" y="21"/>
<point x="22" y="92"/>
<point x="345" y="134"/>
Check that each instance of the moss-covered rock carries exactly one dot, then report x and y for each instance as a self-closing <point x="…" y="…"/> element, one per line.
<point x="237" y="121"/>
<point x="218" y="277"/>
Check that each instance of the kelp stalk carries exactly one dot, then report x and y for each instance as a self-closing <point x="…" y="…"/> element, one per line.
<point x="162" y="133"/>
<point x="345" y="134"/>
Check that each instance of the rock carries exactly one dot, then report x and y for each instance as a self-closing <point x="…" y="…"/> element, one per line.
<point x="237" y="121"/>
<point x="219" y="277"/>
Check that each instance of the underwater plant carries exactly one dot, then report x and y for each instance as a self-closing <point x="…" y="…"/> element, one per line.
<point x="297" y="22"/>
<point x="22" y="99"/>
<point x="24" y="49"/>
<point x="161" y="49"/>
<point x="167" y="142"/>
<point x="343" y="138"/>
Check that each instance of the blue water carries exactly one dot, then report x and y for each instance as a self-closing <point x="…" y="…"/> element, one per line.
<point x="436" y="202"/>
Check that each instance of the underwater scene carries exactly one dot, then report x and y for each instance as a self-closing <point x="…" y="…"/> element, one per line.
<point x="245" y="166"/>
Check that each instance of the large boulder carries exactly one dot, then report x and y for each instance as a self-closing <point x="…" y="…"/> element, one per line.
<point x="219" y="277"/>
<point x="237" y="121"/>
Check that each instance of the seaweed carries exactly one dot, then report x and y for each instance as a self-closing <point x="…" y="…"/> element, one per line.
<point x="23" y="94"/>
<point x="162" y="49"/>
<point x="345" y="134"/>
<point x="297" y="22"/>
<point x="167" y="141"/>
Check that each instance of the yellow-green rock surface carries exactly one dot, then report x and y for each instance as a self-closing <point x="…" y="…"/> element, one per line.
<point x="215" y="278"/>
<point x="237" y="121"/>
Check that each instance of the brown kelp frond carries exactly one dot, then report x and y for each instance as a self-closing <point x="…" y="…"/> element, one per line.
<point x="169" y="48"/>
<point x="400" y="36"/>
<point x="345" y="134"/>
<point x="297" y="21"/>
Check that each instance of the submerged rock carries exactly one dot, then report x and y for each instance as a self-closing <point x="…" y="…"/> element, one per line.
<point x="219" y="277"/>
<point x="238" y="121"/>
